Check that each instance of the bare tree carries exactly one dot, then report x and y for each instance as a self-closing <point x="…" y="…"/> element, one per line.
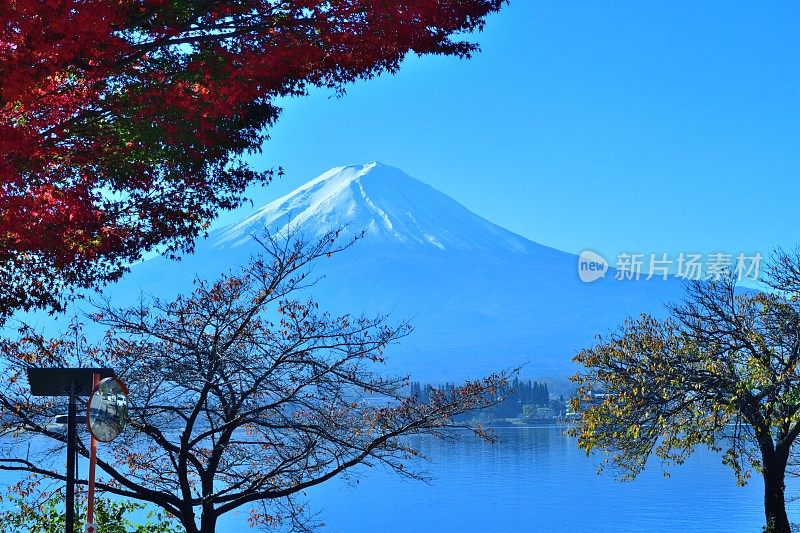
<point x="242" y="395"/>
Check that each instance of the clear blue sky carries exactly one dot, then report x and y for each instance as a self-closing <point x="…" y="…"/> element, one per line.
<point x="646" y="126"/>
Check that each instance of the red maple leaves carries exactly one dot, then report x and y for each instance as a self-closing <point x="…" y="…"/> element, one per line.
<point x="122" y="121"/>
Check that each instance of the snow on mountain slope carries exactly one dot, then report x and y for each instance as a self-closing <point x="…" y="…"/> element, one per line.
<point x="481" y="298"/>
<point x="384" y="201"/>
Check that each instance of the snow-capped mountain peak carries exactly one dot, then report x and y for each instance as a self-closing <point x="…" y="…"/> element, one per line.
<point x="384" y="201"/>
<point x="481" y="298"/>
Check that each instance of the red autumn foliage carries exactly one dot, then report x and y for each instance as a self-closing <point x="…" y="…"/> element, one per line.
<point x="122" y="122"/>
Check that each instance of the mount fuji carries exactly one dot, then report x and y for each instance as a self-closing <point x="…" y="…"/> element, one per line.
<point x="481" y="298"/>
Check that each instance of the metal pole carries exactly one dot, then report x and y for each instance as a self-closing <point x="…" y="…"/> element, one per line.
<point x="92" y="461"/>
<point x="71" y="430"/>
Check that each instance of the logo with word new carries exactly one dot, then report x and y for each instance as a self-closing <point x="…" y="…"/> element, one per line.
<point x="591" y="266"/>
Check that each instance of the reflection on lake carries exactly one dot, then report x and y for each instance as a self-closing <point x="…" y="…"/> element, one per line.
<point x="536" y="479"/>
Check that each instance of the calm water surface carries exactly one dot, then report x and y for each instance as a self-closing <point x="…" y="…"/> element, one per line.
<point x="536" y="479"/>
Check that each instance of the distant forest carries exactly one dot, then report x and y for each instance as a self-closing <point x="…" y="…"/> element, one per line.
<point x="524" y="401"/>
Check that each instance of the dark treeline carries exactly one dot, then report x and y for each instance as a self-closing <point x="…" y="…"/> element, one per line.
<point x="523" y="399"/>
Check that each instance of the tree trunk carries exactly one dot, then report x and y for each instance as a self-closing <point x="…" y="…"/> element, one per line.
<point x="774" y="501"/>
<point x="208" y="522"/>
<point x="190" y="527"/>
<point x="187" y="520"/>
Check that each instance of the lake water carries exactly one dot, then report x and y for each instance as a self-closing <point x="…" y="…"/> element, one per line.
<point x="536" y="479"/>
